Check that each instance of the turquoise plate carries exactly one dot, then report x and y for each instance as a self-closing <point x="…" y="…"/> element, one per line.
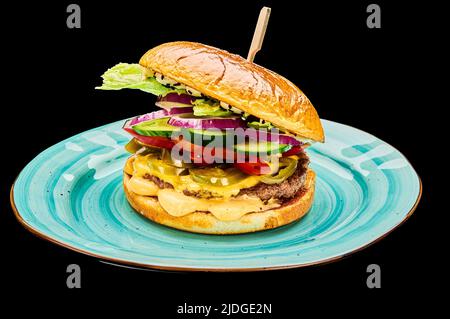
<point x="71" y="194"/>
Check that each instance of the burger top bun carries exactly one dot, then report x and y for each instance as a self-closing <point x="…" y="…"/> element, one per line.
<point x="244" y="85"/>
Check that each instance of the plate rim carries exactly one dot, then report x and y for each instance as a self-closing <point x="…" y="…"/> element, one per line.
<point x="46" y="237"/>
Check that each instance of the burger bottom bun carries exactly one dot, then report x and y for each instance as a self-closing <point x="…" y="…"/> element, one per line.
<point x="206" y="223"/>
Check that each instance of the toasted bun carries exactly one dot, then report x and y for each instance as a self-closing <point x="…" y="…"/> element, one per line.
<point x="206" y="223"/>
<point x="242" y="84"/>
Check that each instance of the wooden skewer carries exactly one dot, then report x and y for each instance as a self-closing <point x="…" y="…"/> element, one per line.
<point x="260" y="31"/>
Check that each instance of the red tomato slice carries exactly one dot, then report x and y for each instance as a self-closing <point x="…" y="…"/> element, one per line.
<point x="201" y="155"/>
<point x="206" y="155"/>
<point x="293" y="151"/>
<point x="195" y="152"/>
<point x="157" y="141"/>
<point x="258" y="168"/>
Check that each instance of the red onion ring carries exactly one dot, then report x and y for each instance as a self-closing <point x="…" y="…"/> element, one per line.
<point x="191" y="121"/>
<point x="159" y="114"/>
<point x="267" y="136"/>
<point x="175" y="100"/>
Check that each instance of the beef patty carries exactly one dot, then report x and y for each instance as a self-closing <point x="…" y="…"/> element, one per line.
<point x="282" y="191"/>
<point x="158" y="181"/>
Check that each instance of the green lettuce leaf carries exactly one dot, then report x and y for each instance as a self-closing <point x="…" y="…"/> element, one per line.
<point x="129" y="76"/>
<point x="208" y="107"/>
<point x="260" y="125"/>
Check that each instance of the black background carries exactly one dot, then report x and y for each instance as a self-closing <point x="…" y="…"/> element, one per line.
<point x="368" y="78"/>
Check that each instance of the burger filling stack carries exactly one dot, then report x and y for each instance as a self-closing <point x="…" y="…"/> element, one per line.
<point x="224" y="151"/>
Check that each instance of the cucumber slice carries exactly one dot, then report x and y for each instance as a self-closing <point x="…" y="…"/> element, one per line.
<point x="204" y="137"/>
<point x="158" y="127"/>
<point x="264" y="147"/>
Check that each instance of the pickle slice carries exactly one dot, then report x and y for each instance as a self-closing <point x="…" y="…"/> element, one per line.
<point x="217" y="176"/>
<point x="287" y="168"/>
<point x="134" y="146"/>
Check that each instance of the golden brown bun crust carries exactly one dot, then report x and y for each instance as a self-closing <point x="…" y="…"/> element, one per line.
<point x="206" y="223"/>
<point x="242" y="84"/>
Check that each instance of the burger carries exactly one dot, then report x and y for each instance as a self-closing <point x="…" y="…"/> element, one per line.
<point x="225" y="151"/>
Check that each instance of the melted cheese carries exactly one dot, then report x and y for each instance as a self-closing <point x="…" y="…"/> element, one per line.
<point x="181" y="183"/>
<point x="178" y="204"/>
<point x="129" y="169"/>
<point x="142" y="186"/>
